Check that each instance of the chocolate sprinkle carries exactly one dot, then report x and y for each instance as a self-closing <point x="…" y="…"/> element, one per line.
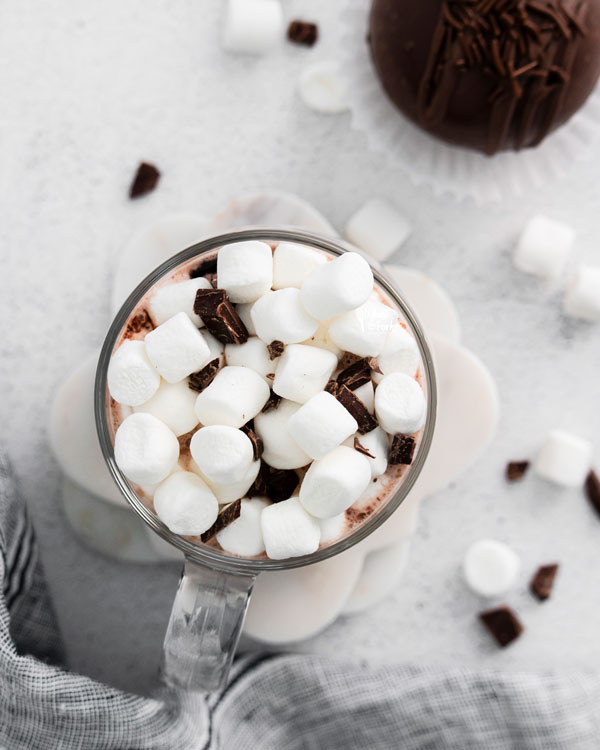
<point x="303" y="32"/>
<point x="592" y="490"/>
<point x="276" y="484"/>
<point x="145" y="180"/>
<point x="502" y="623"/>
<point x="140" y="322"/>
<point x="272" y="402"/>
<point x="516" y="470"/>
<point x="257" y="443"/>
<point x="402" y="450"/>
<point x="351" y="402"/>
<point x="355" y="375"/>
<point x="220" y="316"/>
<point x="361" y="448"/>
<point x="200" y="380"/>
<point x="275" y="349"/>
<point x="204" y="268"/>
<point x="543" y="580"/>
<point x="226" y="516"/>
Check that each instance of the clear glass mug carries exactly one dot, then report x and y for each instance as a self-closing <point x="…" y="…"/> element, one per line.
<point x="215" y="588"/>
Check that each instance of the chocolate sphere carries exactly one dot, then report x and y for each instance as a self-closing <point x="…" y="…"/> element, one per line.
<point x="491" y="75"/>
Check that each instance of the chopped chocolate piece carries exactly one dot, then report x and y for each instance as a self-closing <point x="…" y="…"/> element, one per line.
<point x="592" y="490"/>
<point x="140" y="322"/>
<point x="374" y="365"/>
<point x="402" y="450"/>
<point x="366" y="422"/>
<point x="220" y="316"/>
<point x="226" y="516"/>
<point x="144" y="181"/>
<point x="502" y="623"/>
<point x="204" y="268"/>
<point x="272" y="402"/>
<point x="257" y="443"/>
<point x="212" y="279"/>
<point x="543" y="580"/>
<point x="303" y="32"/>
<point x="361" y="448"/>
<point x="276" y="484"/>
<point x="516" y="470"/>
<point x="355" y="375"/>
<point x="332" y="387"/>
<point x="348" y="359"/>
<point x="275" y="349"/>
<point x="204" y="377"/>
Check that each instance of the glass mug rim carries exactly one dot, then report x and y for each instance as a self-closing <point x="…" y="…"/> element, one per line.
<point x="206" y="555"/>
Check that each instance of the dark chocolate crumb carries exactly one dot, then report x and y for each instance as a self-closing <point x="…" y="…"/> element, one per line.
<point x="543" y="580"/>
<point x="374" y="365"/>
<point x="272" y="402"/>
<point x="361" y="448"/>
<point x="140" y="322"/>
<point x="145" y="180"/>
<point x="516" y="470"/>
<point x="303" y="32"/>
<point x="220" y="316"/>
<point x="276" y="484"/>
<point x="402" y="450"/>
<point x="257" y="443"/>
<point x="204" y="268"/>
<point x="592" y="490"/>
<point x="275" y="349"/>
<point x="200" y="380"/>
<point x="355" y="375"/>
<point x="226" y="516"/>
<point x="503" y="624"/>
<point x="350" y="401"/>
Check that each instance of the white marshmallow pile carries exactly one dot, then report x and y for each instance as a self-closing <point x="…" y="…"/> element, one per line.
<point x="491" y="568"/>
<point x="318" y="309"/>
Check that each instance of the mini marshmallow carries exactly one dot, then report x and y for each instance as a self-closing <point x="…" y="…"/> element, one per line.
<point x="252" y="26"/>
<point x="400" y="404"/>
<point x="292" y="263"/>
<point x="400" y="353"/>
<point x="281" y="451"/>
<point x="321" y="88"/>
<point x="303" y="371"/>
<point x="280" y="316"/>
<point x="244" y="312"/>
<point x="173" y="404"/>
<point x="564" y="459"/>
<point x="288" y="530"/>
<point x="253" y="354"/>
<point x="321" y="424"/>
<point x="245" y="269"/>
<point x="146" y="450"/>
<point x="223" y="454"/>
<point x="377" y="443"/>
<point x="582" y="299"/>
<point x="227" y="493"/>
<point x="322" y="340"/>
<point x="363" y="331"/>
<point x="378" y="228"/>
<point x="131" y="378"/>
<point x="244" y="536"/>
<point x="334" y="482"/>
<point x="179" y="297"/>
<point x="234" y="397"/>
<point x="337" y="286"/>
<point x="544" y="247"/>
<point x="177" y="348"/>
<point x="185" y="504"/>
<point x="490" y="567"/>
<point x="333" y="528"/>
<point x="366" y="393"/>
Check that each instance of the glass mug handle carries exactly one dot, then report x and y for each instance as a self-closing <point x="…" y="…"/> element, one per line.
<point x="205" y="626"/>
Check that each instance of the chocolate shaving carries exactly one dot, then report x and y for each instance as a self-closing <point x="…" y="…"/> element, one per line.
<point x="303" y="32"/>
<point x="543" y="580"/>
<point x="145" y="180"/>
<point x="361" y="448"/>
<point x="272" y="402"/>
<point x="257" y="443"/>
<point x="374" y="365"/>
<point x="275" y="349"/>
<point x="276" y="484"/>
<point x="402" y="450"/>
<point x="350" y="401"/>
<point x="516" y="470"/>
<point x="204" y="268"/>
<point x="226" y="516"/>
<point x="503" y="624"/>
<point x="355" y="375"/>
<point x="204" y="377"/>
<point x="592" y="490"/>
<point x="220" y="316"/>
<point x="140" y="322"/>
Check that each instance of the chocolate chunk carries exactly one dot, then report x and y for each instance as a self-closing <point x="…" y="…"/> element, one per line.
<point x="303" y="32"/>
<point x="348" y="359"/>
<point x="332" y="387"/>
<point x="592" y="490"/>
<point x="402" y="450"/>
<point x="374" y="365"/>
<point x="140" y="322"/>
<point x="366" y="422"/>
<point x="257" y="443"/>
<point x="355" y="375"/>
<point x="516" y="470"/>
<point x="543" y="580"/>
<point x="361" y="448"/>
<point x="226" y="516"/>
<point x="272" y="402"/>
<point x="220" y="316"/>
<point x="204" y="268"/>
<point x="276" y="484"/>
<point x="204" y="377"/>
<point x="502" y="623"/>
<point x="275" y="349"/>
<point x="144" y="181"/>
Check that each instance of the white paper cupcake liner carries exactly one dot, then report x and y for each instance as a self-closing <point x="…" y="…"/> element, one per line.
<point x="427" y="160"/>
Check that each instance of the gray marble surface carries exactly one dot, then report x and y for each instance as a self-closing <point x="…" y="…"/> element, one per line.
<point x="88" y="90"/>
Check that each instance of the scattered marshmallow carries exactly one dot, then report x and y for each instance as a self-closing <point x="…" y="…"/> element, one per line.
<point x="179" y="297"/>
<point x="544" y="247"/>
<point x="280" y="316"/>
<point x="321" y="87"/>
<point x="334" y="482"/>
<point x="223" y="454"/>
<point x="322" y="340"/>
<point x="177" y="348"/>
<point x="582" y="299"/>
<point x="337" y="286"/>
<point x="131" y="378"/>
<point x="253" y="354"/>
<point x="234" y="397"/>
<point x="173" y="404"/>
<point x="244" y="535"/>
<point x="400" y="353"/>
<point x="321" y="424"/>
<point x="564" y="459"/>
<point x="490" y="567"/>
<point x="377" y="443"/>
<point x="243" y="310"/>
<point x="333" y="528"/>
<point x="292" y="263"/>
<point x="400" y="404"/>
<point x="252" y="26"/>
<point x="303" y="371"/>
<point x="378" y="228"/>
<point x="364" y="331"/>
<point x="288" y="530"/>
<point x="146" y="450"/>
<point x="245" y="269"/>
<point x="366" y="393"/>
<point x="185" y="504"/>
<point x="227" y="493"/>
<point x="281" y="451"/>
